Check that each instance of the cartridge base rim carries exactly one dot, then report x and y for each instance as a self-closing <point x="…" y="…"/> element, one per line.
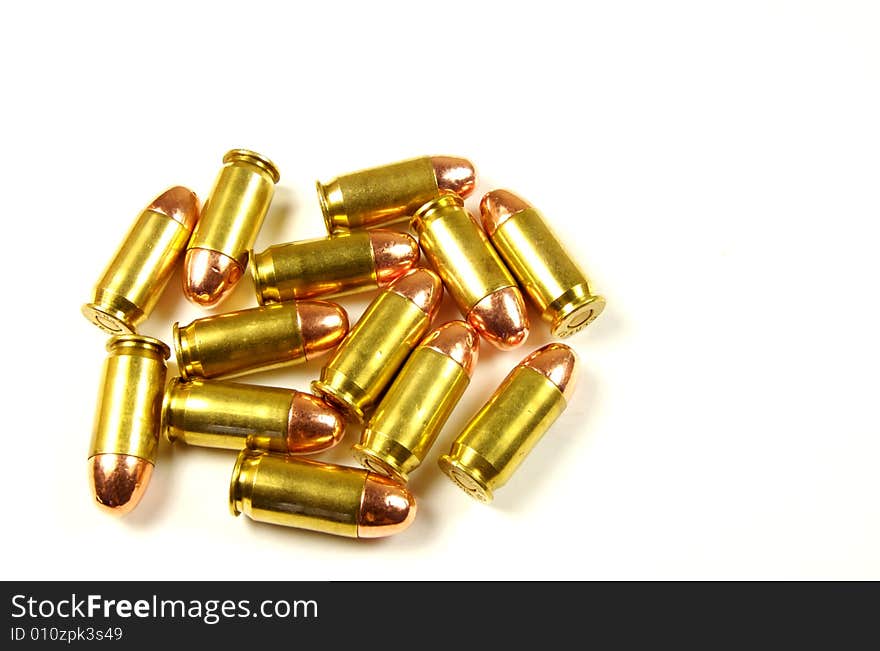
<point x="464" y="479"/>
<point x="114" y="322"/>
<point x="341" y="400"/>
<point x="576" y="315"/>
<point x="375" y="462"/>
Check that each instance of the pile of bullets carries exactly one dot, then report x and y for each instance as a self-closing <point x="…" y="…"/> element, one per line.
<point x="391" y="373"/>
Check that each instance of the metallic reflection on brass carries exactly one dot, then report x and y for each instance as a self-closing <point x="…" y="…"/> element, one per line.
<point x="357" y="374"/>
<point x="294" y="492"/>
<point x="257" y="339"/>
<point x="477" y="280"/>
<point x="134" y="279"/>
<point x="412" y="413"/>
<point x="391" y="193"/>
<point x="233" y="416"/>
<point x="538" y="259"/>
<point x="217" y="254"/>
<point x="126" y="431"/>
<point x="502" y="433"/>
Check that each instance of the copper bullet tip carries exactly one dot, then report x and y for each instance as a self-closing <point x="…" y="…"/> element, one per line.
<point x="179" y="203"/>
<point x="422" y="287"/>
<point x="458" y="341"/>
<point x="323" y="325"/>
<point x="497" y="206"/>
<point x="393" y="255"/>
<point x="118" y="481"/>
<point x="454" y="174"/>
<point x="209" y="276"/>
<point x="386" y="508"/>
<point x="312" y="426"/>
<point x="501" y="318"/>
<point x="558" y="363"/>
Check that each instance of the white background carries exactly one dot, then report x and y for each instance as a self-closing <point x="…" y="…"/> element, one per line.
<point x="713" y="166"/>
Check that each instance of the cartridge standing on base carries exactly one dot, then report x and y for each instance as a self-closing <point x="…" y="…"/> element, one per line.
<point x="391" y="193"/>
<point x="474" y="275"/>
<point x="133" y="281"/>
<point x="556" y="285"/>
<point x="217" y="255"/>
<point x="258" y="339"/>
<point x="496" y="440"/>
<point x="332" y="266"/>
<point x="318" y="496"/>
<point x="233" y="416"/>
<point x="126" y="431"/>
<point x="367" y="360"/>
<point x="415" y="408"/>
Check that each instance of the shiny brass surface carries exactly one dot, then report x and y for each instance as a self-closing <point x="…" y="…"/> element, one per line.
<point x="357" y="374"/>
<point x="292" y="492"/>
<point x="390" y="193"/>
<point x="550" y="277"/>
<point x="125" y="435"/>
<point x="331" y="266"/>
<point x="231" y="218"/>
<point x="234" y="416"/>
<point x="418" y="403"/>
<point x="479" y="283"/>
<point x="498" y="438"/>
<point x="256" y="339"/>
<point x="134" y="279"/>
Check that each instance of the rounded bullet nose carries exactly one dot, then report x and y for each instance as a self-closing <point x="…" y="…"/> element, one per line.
<point x="501" y="318"/>
<point x="558" y="363"/>
<point x="497" y="206"/>
<point x="312" y="426"/>
<point x="118" y="481"/>
<point x="421" y="286"/>
<point x="179" y="203"/>
<point x="454" y="175"/>
<point x="393" y="255"/>
<point x="323" y="326"/>
<point x="457" y="340"/>
<point x="209" y="276"/>
<point x="386" y="508"/>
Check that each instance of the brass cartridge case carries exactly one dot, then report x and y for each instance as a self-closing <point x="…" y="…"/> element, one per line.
<point x="234" y="416"/>
<point x="391" y="193"/>
<point x="360" y="370"/>
<point x="499" y="437"/>
<point x="217" y="255"/>
<point x="126" y="430"/>
<point x="258" y="339"/>
<point x="318" y="496"/>
<point x="416" y="406"/>
<point x="547" y="273"/>
<point x="476" y="278"/>
<point x="332" y="266"/>
<point x="134" y="279"/>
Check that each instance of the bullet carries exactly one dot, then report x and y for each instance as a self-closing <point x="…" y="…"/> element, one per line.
<point x="539" y="261"/>
<point x="384" y="195"/>
<point x="332" y="266"/>
<point x="476" y="278"/>
<point x="497" y="439"/>
<point x="126" y="430"/>
<point x="363" y="366"/>
<point x="318" y="496"/>
<point x="134" y="279"/>
<point x="234" y="416"/>
<point x="258" y="339"/>
<point x="217" y="255"/>
<point x="418" y="403"/>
